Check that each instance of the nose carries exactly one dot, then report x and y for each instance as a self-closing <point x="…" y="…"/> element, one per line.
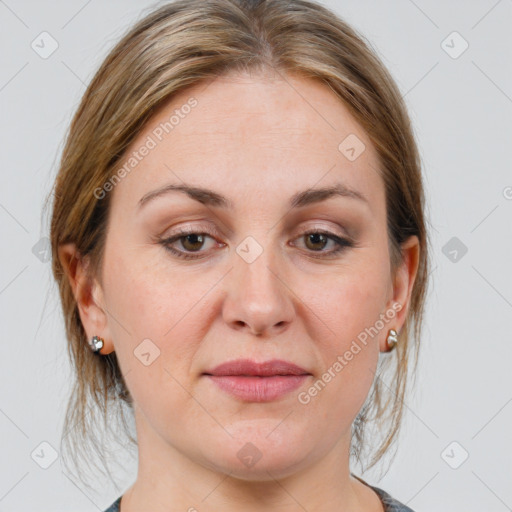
<point x="258" y="301"/>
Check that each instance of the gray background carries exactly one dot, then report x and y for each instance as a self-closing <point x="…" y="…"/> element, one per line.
<point x="461" y="108"/>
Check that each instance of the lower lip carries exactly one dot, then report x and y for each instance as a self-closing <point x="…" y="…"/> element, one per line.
<point x="258" y="389"/>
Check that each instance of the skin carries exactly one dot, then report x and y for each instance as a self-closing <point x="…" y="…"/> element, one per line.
<point x="256" y="139"/>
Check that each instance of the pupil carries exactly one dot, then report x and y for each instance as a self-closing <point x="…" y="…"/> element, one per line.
<point x="194" y="244"/>
<point x="315" y="238"/>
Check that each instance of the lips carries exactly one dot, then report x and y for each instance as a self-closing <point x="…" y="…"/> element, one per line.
<point x="246" y="367"/>
<point x="250" y="381"/>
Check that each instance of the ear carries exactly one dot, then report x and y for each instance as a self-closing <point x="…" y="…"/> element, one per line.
<point x="88" y="295"/>
<point x="403" y="281"/>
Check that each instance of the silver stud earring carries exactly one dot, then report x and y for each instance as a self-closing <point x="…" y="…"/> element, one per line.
<point x="392" y="339"/>
<point x="96" y="344"/>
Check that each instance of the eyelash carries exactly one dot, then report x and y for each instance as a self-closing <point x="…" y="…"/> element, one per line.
<point x="341" y="242"/>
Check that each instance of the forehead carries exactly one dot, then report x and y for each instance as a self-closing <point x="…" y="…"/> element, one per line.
<point x="253" y="134"/>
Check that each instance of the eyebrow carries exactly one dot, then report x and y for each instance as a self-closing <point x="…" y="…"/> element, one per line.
<point x="211" y="198"/>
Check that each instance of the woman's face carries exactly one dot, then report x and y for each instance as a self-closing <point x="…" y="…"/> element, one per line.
<point x="247" y="283"/>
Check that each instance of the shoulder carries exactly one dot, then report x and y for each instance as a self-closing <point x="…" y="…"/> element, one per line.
<point x="115" y="506"/>
<point x="390" y="503"/>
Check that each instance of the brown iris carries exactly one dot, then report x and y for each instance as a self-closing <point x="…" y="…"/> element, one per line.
<point x="314" y="238"/>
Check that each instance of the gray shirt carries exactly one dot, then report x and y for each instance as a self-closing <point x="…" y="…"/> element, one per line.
<point x="390" y="504"/>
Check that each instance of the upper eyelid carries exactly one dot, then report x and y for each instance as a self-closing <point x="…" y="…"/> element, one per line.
<point x="212" y="233"/>
<point x="209" y="229"/>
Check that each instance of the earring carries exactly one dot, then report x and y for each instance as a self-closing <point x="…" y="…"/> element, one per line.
<point x="392" y="339"/>
<point x="96" y="344"/>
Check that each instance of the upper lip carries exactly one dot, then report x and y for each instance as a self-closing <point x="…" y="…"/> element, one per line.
<point x="253" y="368"/>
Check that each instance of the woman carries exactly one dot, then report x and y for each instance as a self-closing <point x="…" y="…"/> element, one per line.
<point x="239" y="241"/>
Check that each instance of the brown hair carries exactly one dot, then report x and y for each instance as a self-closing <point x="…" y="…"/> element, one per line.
<point x="177" y="46"/>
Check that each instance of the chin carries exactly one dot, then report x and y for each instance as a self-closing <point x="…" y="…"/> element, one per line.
<point x="267" y="469"/>
<point x="258" y="451"/>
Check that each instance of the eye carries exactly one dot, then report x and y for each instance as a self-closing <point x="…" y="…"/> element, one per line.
<point x="191" y="241"/>
<point x="316" y="241"/>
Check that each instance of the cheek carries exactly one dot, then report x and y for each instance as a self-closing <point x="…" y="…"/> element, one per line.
<point x="147" y="294"/>
<point x="150" y="311"/>
<point x="350" y="301"/>
<point x="348" y="311"/>
<point x="155" y="330"/>
<point x="361" y="299"/>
